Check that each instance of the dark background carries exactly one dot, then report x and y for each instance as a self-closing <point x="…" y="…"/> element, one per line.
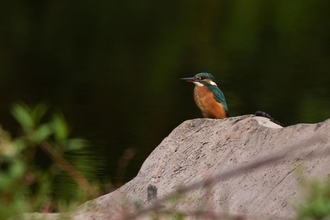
<point x="113" y="67"/>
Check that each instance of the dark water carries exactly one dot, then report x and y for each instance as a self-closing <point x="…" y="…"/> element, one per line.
<point x="112" y="121"/>
<point x="113" y="67"/>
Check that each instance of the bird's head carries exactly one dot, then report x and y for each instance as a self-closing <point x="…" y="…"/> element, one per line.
<point x="201" y="79"/>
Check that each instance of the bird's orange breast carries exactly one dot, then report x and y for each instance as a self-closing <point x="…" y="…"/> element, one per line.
<point x="207" y="104"/>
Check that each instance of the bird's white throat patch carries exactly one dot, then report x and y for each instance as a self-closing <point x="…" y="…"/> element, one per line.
<point x="198" y="84"/>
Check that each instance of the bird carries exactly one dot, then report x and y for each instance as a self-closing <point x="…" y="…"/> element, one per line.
<point x="208" y="97"/>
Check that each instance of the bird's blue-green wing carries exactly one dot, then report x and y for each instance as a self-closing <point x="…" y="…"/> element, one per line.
<point x="219" y="97"/>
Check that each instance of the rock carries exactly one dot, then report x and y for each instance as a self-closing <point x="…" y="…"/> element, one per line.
<point x="199" y="148"/>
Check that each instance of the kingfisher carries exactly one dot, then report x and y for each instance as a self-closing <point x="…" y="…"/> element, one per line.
<point x="208" y="97"/>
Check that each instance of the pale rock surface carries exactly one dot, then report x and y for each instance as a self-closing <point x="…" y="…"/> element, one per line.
<point x="199" y="148"/>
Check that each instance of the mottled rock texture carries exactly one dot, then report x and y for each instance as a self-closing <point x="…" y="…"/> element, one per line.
<point x="199" y="148"/>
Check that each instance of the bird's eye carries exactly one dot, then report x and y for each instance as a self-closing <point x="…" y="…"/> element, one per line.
<point x="200" y="77"/>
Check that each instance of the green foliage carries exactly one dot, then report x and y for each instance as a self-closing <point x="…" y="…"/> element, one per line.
<point x="44" y="169"/>
<point x="61" y="130"/>
<point x="317" y="201"/>
<point x="27" y="117"/>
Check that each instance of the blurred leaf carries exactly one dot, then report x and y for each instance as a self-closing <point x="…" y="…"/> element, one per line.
<point x="75" y="144"/>
<point x="38" y="112"/>
<point x="14" y="172"/>
<point x="16" y="169"/>
<point x="61" y="130"/>
<point x="20" y="144"/>
<point x="7" y="148"/>
<point x="317" y="201"/>
<point x="42" y="133"/>
<point x="5" y="181"/>
<point x="22" y="114"/>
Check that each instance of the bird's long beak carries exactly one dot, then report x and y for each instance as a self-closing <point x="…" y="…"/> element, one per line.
<point x="189" y="79"/>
